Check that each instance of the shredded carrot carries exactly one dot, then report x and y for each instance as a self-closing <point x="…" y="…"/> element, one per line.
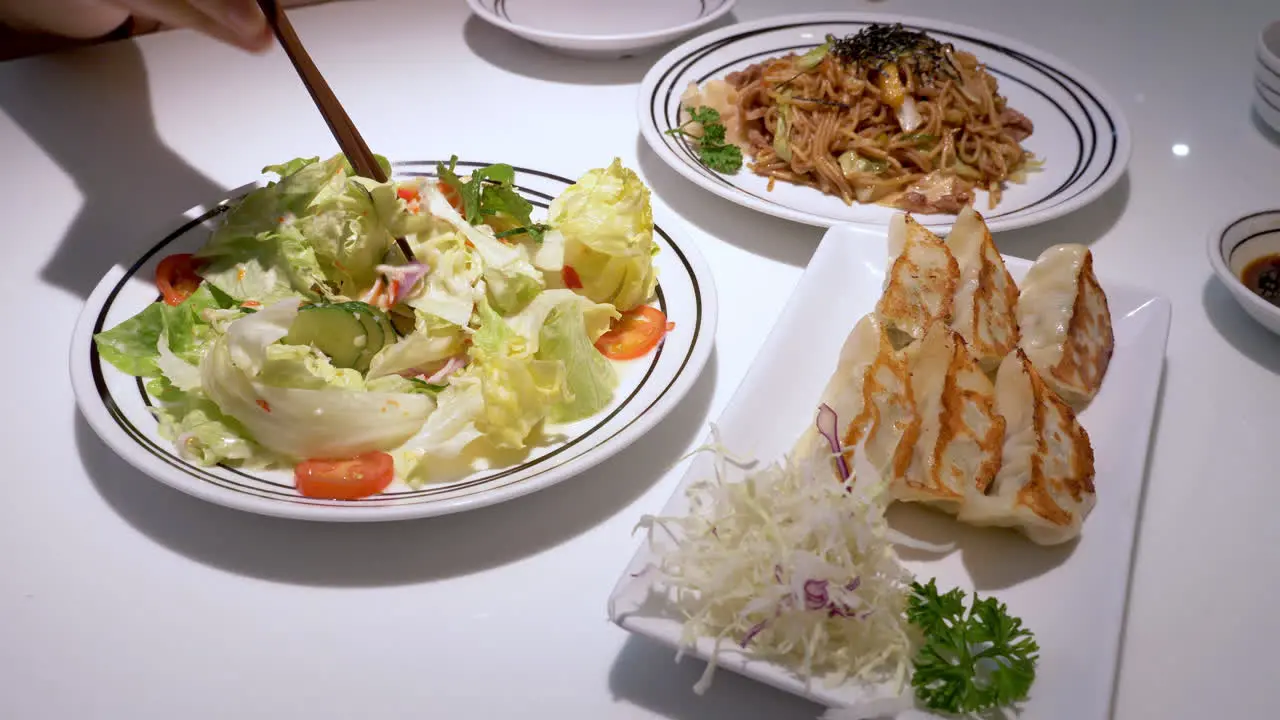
<point x="263" y="404"/>
<point x="251" y="303"/>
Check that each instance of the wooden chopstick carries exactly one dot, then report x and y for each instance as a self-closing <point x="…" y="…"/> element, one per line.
<point x="344" y="131"/>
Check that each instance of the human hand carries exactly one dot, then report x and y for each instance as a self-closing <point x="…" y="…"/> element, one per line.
<point x="237" y="22"/>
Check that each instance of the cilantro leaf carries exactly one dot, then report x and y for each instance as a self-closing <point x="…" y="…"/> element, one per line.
<point x="970" y="661"/>
<point x="714" y="152"/>
<point x="489" y="191"/>
<point x="724" y="158"/>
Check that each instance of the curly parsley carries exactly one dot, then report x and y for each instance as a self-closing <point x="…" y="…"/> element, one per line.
<point x="712" y="149"/>
<point x="971" y="660"/>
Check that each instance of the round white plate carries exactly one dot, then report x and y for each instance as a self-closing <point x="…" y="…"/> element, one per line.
<point x="1079" y="131"/>
<point x="601" y="29"/>
<point x="117" y="406"/>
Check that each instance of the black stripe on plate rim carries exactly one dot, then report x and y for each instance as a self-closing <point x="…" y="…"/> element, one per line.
<point x="1261" y="233"/>
<point x="670" y="77"/>
<point x="1262" y="95"/>
<point x="1262" y="63"/>
<point x="396" y="498"/>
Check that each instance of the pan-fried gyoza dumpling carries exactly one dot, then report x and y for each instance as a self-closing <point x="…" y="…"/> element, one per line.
<point x="957" y="443"/>
<point x="920" y="279"/>
<point x="1045" y="483"/>
<point x="1065" y="322"/>
<point x="871" y="396"/>
<point x="986" y="298"/>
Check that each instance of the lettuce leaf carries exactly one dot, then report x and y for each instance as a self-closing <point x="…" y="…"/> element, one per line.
<point x="589" y="376"/>
<point x="299" y="423"/>
<point x="518" y="389"/>
<point x="431" y="341"/>
<point x="607" y="226"/>
<point x="133" y="345"/>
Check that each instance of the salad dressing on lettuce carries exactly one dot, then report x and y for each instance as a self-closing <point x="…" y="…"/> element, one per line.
<point x="301" y="336"/>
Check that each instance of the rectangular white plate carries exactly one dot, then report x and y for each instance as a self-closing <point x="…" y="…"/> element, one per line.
<point x="1072" y="597"/>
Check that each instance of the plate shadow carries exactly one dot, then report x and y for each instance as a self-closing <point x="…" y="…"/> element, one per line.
<point x="996" y="558"/>
<point x="1236" y="327"/>
<point x="393" y="553"/>
<point x="645" y="674"/>
<point x="757" y="233"/>
<point x="1084" y="226"/>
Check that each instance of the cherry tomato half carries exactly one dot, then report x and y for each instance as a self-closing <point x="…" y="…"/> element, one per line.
<point x="351" y="479"/>
<point x="571" y="279"/>
<point x="634" y="334"/>
<point x="451" y="195"/>
<point x="176" y="277"/>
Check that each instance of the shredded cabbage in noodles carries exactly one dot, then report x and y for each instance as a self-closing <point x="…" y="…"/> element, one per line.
<point x="791" y="566"/>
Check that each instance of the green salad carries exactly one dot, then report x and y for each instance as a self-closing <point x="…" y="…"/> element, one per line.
<point x="303" y="336"/>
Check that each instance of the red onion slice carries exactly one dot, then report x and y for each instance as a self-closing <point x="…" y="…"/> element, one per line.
<point x="829" y="427"/>
<point x="401" y="279"/>
<point x="451" y="366"/>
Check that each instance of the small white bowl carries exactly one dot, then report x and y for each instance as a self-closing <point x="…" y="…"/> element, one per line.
<point x="600" y="29"/>
<point x="1235" y="246"/>
<point x="1267" y="103"/>
<point x="1269" y="47"/>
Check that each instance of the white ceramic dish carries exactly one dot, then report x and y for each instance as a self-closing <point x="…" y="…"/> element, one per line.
<point x="1073" y="597"/>
<point x="601" y="29"/>
<point x="1269" y="47"/>
<point x="1079" y="131"/>
<point x="116" y="405"/>
<point x="1267" y="107"/>
<point x="1239" y="243"/>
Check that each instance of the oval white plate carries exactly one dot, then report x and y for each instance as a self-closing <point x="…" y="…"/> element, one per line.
<point x="117" y="406"/>
<point x="1079" y="131"/>
<point x="607" y="29"/>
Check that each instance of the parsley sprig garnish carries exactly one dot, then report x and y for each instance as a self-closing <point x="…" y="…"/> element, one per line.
<point x="971" y="660"/>
<point x="712" y="148"/>
<point x="491" y="191"/>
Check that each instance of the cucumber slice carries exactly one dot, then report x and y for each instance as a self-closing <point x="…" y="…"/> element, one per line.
<point x="368" y="317"/>
<point x="334" y="330"/>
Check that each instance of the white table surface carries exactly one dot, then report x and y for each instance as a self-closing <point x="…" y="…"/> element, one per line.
<point x="121" y="598"/>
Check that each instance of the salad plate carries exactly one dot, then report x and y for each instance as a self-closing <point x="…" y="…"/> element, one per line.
<point x="122" y="409"/>
<point x="1080" y="135"/>
<point x="1072" y="595"/>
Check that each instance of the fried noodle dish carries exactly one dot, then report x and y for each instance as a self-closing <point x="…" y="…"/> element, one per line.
<point x="887" y="116"/>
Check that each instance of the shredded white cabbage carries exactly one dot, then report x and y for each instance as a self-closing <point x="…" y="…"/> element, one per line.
<point x="792" y="567"/>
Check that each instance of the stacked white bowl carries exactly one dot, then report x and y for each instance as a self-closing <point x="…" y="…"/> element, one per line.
<point x="1266" y="76"/>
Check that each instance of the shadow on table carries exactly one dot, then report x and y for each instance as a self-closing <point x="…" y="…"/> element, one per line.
<point x="1137" y="532"/>
<point x="1236" y="327"/>
<point x="646" y="674"/>
<point x="1085" y="226"/>
<point x="391" y="553"/>
<point x="522" y="57"/>
<point x="131" y="182"/>
<point x="755" y="232"/>
<point x="996" y="558"/>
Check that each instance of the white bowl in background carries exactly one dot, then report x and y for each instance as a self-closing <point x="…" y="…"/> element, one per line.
<point x="601" y="29"/>
<point x="1269" y="47"/>
<point x="1267" y="104"/>
<point x="1239" y="243"/>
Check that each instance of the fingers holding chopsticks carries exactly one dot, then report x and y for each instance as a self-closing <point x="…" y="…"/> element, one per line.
<point x="236" y="22"/>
